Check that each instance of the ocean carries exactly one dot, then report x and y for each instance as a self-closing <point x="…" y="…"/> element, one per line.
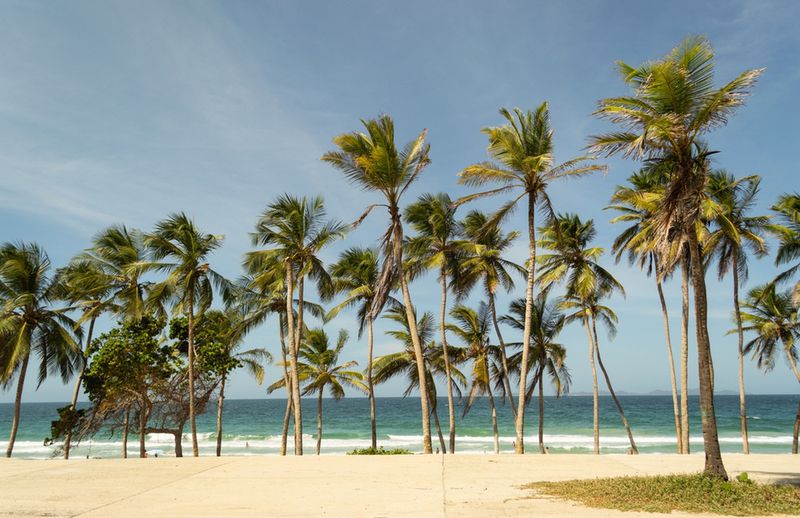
<point x="253" y="427"/>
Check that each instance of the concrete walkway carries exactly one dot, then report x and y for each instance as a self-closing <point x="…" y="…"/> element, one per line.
<point x="461" y="485"/>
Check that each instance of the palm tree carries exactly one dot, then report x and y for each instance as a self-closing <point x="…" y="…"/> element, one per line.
<point x="435" y="247"/>
<point x="30" y="324"/>
<point x="773" y="317"/>
<point x="183" y="250"/>
<point x="523" y="154"/>
<point x="674" y="103"/>
<point x="298" y="230"/>
<point x="788" y="233"/>
<point x="637" y="204"/>
<point x="546" y="354"/>
<point x="355" y="274"/>
<point x="484" y="263"/>
<point x="573" y="262"/>
<point x="736" y="233"/>
<point x="373" y="162"/>
<point x="472" y="329"/>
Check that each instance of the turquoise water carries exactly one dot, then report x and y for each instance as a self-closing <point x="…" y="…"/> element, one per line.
<point x="253" y="427"/>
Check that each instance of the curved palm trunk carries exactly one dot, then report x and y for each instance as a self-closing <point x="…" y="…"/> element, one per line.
<point x="449" y="379"/>
<point x="319" y="421"/>
<point x="503" y="357"/>
<point x="370" y="385"/>
<point x="634" y="450"/>
<point x="796" y="431"/>
<point x="435" y="410"/>
<point x="192" y="416"/>
<point x="673" y="380"/>
<point x="125" y="429"/>
<point x="220" y="402"/>
<point x="77" y="389"/>
<point x="17" y="405"/>
<point x="713" y="457"/>
<point x="685" y="353"/>
<point x="288" y="384"/>
<point x="542" y="360"/>
<point x="526" y="333"/>
<point x="595" y="399"/>
<point x="495" y="432"/>
<point x="740" y="333"/>
<point x="295" y="382"/>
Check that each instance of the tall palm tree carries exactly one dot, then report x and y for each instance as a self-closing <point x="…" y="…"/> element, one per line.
<point x="575" y="263"/>
<point x="773" y="317"/>
<point x="673" y="104"/>
<point x="29" y="323"/>
<point x="183" y="251"/>
<point x="524" y="165"/>
<point x="297" y="229"/>
<point x="373" y="162"/>
<point x="735" y="233"/>
<point x="547" y="356"/>
<point x="788" y="233"/>
<point x="484" y="263"/>
<point x="355" y="275"/>
<point x="638" y="204"/>
<point x="436" y="247"/>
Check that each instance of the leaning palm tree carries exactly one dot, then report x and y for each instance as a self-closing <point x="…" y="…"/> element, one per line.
<point x="788" y="233"/>
<point x="373" y="162"/>
<point x="524" y="165"/>
<point x="637" y="203"/>
<point x="573" y="262"/>
<point x="183" y="251"/>
<point x="773" y="317"/>
<point x="297" y="229"/>
<point x="436" y="247"/>
<point x="673" y="104"/>
<point x="735" y="233"/>
<point x="483" y="263"/>
<point x="547" y="355"/>
<point x="30" y="324"/>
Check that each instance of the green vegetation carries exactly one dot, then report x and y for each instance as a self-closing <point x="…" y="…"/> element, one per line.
<point x="688" y="493"/>
<point x="379" y="451"/>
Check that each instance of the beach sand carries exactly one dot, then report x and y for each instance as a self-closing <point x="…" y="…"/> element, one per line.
<point x="436" y="485"/>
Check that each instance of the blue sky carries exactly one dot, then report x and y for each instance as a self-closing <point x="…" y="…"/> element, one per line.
<point x="121" y="112"/>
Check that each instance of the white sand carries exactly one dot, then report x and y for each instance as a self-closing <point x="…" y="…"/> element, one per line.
<point x="461" y="485"/>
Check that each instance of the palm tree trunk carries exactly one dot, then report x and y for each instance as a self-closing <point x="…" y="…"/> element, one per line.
<point x="526" y="333"/>
<point x="634" y="450"/>
<point x="288" y="383"/>
<point x="685" y="352"/>
<point x="319" y="421"/>
<point x="295" y="382"/>
<point x="442" y="444"/>
<point x="397" y="233"/>
<point x="178" y="442"/>
<point x="595" y="399"/>
<point x="17" y="405"/>
<point x="143" y="415"/>
<point x="542" y="360"/>
<point x="503" y="357"/>
<point x="220" y="402"/>
<point x="192" y="416"/>
<point x="796" y="431"/>
<point x="740" y="333"/>
<point x="370" y="386"/>
<point x="495" y="432"/>
<point x="673" y="380"/>
<point x="77" y="389"/>
<point x="449" y="379"/>
<point x="287" y="417"/>
<point x="713" y="461"/>
<point x="125" y="429"/>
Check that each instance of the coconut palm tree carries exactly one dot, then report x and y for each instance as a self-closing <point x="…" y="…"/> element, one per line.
<point x="29" y="323"/>
<point x="373" y="162"/>
<point x="183" y="250"/>
<point x="472" y="329"/>
<point x="436" y="247"/>
<point x="484" y="263"/>
<point x="355" y="275"/>
<point x="297" y="229"/>
<point x="637" y="204"/>
<point x="788" y="233"/>
<point x="673" y="104"/>
<point x="773" y="317"/>
<point x="524" y="166"/>
<point x="573" y="262"/>
<point x="547" y="356"/>
<point x="735" y="233"/>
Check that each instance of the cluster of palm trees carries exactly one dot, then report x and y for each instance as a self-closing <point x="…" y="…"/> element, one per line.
<point x="680" y="215"/>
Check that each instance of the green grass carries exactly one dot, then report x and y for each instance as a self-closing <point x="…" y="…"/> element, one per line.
<point x="379" y="451"/>
<point x="689" y="493"/>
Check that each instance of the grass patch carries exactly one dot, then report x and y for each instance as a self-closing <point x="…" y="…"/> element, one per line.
<point x="689" y="493"/>
<point x="379" y="451"/>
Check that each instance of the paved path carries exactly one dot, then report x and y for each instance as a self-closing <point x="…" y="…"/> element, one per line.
<point x="435" y="486"/>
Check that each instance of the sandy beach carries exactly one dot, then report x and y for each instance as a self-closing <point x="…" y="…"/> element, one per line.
<point x="461" y="485"/>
